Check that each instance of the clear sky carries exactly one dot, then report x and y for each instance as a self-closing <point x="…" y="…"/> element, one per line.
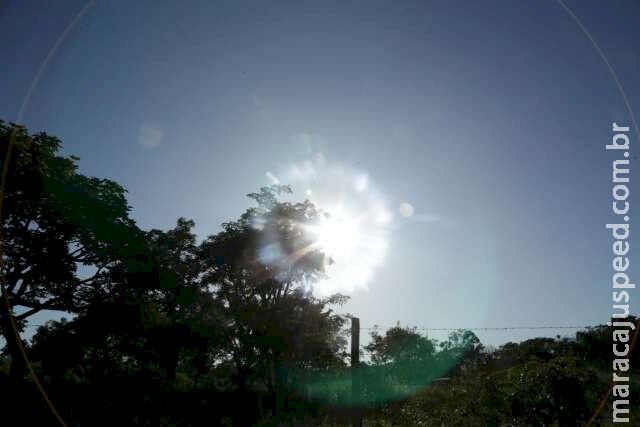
<point x="489" y="118"/>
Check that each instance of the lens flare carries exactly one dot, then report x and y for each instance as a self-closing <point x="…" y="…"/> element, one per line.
<point x="336" y="235"/>
<point x="354" y="229"/>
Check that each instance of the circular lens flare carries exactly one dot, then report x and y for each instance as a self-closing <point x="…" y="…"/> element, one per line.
<point x="353" y="229"/>
<point x="337" y="234"/>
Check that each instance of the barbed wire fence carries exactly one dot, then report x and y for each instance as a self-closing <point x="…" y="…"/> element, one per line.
<point x="483" y="328"/>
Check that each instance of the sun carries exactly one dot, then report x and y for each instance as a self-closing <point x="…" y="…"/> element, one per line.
<point x="337" y="234"/>
<point x="353" y="228"/>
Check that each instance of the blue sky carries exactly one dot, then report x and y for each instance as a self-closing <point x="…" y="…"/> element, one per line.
<point x="489" y="118"/>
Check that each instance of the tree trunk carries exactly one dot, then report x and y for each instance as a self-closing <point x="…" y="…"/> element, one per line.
<point x="17" y="367"/>
<point x="281" y="391"/>
<point x="172" y="367"/>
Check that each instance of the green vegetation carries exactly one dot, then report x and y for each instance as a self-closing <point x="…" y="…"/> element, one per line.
<point x="168" y="331"/>
<point x="539" y="382"/>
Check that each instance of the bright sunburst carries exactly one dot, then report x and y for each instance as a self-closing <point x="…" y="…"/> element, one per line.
<point x="337" y="235"/>
<point x="353" y="231"/>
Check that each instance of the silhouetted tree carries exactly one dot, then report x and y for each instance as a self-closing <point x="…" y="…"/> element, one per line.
<point x="169" y="331"/>
<point x="55" y="220"/>
<point x="260" y="269"/>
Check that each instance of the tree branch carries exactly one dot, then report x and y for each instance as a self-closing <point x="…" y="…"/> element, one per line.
<point x="89" y="279"/>
<point x="27" y="223"/>
<point x="22" y="288"/>
<point x="48" y="305"/>
<point x="27" y="313"/>
<point x="76" y="251"/>
<point x="12" y="285"/>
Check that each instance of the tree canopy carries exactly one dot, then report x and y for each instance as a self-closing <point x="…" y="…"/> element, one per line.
<point x="166" y="330"/>
<point x="56" y="225"/>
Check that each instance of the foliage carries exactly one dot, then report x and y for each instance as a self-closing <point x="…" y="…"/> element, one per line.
<point x="55" y="221"/>
<point x="542" y="381"/>
<point x="169" y="331"/>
